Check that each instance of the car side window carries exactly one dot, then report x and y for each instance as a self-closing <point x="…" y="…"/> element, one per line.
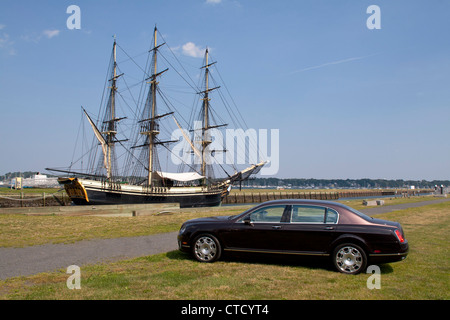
<point x="332" y="216"/>
<point x="307" y="214"/>
<point x="268" y="214"/>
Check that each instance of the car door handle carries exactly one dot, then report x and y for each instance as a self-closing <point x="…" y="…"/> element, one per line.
<point x="276" y="227"/>
<point x="329" y="228"/>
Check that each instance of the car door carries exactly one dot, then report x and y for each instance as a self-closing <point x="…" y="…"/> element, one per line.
<point x="310" y="230"/>
<point x="262" y="231"/>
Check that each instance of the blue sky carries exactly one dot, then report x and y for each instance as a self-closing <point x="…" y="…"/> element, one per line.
<point x="349" y="101"/>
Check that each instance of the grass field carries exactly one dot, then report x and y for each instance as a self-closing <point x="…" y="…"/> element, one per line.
<point x="22" y="230"/>
<point x="30" y="190"/>
<point x="173" y="275"/>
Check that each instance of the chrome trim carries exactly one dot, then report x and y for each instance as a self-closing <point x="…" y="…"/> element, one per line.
<point x="241" y="220"/>
<point x="278" y="252"/>
<point x="388" y="254"/>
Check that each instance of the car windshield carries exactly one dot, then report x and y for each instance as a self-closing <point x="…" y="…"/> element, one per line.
<point x="243" y="214"/>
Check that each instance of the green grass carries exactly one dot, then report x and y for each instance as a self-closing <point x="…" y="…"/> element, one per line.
<point x="18" y="230"/>
<point x="424" y="275"/>
<point x="10" y="191"/>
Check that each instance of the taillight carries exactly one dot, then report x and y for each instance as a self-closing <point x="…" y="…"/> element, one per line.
<point x="399" y="236"/>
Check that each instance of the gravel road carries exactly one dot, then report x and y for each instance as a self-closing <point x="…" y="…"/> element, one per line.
<point x="49" y="257"/>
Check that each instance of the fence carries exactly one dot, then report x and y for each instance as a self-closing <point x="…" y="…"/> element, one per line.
<point x="257" y="197"/>
<point x="34" y="199"/>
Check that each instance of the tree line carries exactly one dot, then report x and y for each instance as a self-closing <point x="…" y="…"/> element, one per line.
<point x="343" y="183"/>
<point x="304" y="183"/>
<point x="25" y="174"/>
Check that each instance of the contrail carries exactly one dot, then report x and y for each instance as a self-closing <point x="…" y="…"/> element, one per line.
<point x="333" y="63"/>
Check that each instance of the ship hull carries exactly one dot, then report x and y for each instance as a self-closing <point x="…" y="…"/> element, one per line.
<point x="116" y="197"/>
<point x="89" y="193"/>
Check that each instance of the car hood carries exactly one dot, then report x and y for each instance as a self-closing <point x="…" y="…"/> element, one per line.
<point x="209" y="219"/>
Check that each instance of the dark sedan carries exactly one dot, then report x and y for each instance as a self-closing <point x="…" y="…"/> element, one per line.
<point x="352" y="239"/>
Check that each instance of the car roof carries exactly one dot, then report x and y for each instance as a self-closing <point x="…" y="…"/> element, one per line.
<point x="304" y="201"/>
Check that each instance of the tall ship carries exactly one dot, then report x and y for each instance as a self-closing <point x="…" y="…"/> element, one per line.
<point x="135" y="175"/>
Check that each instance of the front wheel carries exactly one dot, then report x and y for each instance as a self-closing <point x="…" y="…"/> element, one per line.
<point x="349" y="258"/>
<point x="206" y="248"/>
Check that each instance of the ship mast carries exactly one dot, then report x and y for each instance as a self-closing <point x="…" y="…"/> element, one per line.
<point x="206" y="141"/>
<point x="111" y="130"/>
<point x="153" y="132"/>
<point x="151" y="128"/>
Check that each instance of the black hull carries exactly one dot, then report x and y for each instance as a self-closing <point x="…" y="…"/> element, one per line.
<point x="185" y="200"/>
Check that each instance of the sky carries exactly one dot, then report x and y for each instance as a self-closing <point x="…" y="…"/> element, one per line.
<point x="354" y="93"/>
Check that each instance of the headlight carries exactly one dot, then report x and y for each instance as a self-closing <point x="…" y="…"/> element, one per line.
<point x="183" y="229"/>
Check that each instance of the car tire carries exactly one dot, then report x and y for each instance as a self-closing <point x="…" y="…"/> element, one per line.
<point x="206" y="248"/>
<point x="349" y="258"/>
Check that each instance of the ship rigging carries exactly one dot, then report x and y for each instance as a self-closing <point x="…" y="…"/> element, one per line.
<point x="140" y="178"/>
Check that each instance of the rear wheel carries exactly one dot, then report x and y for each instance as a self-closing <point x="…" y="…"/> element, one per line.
<point x="349" y="258"/>
<point x="206" y="248"/>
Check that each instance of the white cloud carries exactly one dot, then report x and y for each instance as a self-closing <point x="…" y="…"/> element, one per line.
<point x="37" y="37"/>
<point x="4" y="40"/>
<point x="213" y="1"/>
<point x="50" y="33"/>
<point x="2" y="26"/>
<point x="192" y="50"/>
<point x="6" y="44"/>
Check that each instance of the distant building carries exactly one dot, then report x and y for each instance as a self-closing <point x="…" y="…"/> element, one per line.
<point x="40" y="181"/>
<point x="16" y="183"/>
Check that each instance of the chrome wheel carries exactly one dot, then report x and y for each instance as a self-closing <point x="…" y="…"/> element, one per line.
<point x="349" y="259"/>
<point x="206" y="249"/>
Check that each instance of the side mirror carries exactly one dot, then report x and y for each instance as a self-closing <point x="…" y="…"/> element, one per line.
<point x="248" y="221"/>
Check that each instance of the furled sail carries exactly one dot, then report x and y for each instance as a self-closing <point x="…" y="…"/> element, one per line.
<point x="196" y="151"/>
<point x="246" y="173"/>
<point x="182" y="177"/>
<point x="100" y="138"/>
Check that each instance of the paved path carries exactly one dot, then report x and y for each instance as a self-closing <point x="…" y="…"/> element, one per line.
<point x="49" y="257"/>
<point x="386" y="209"/>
